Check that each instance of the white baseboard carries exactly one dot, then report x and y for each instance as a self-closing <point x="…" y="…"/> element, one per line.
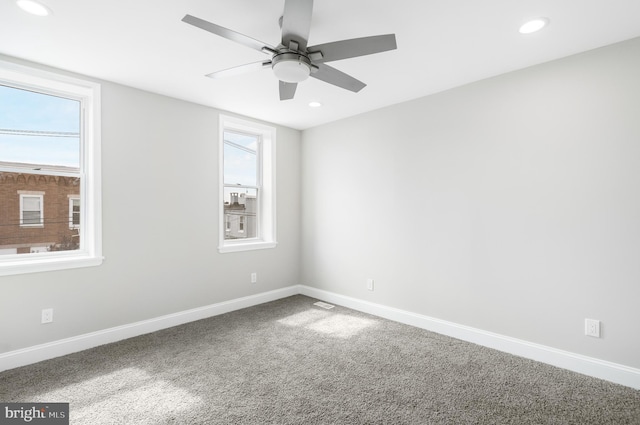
<point x="601" y="369"/>
<point x="609" y="371"/>
<point x="34" y="354"/>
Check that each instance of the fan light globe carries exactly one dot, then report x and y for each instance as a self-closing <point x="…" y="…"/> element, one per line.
<point x="291" y="71"/>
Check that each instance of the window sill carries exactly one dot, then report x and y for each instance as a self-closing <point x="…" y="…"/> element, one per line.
<point x="43" y="264"/>
<point x="246" y="246"/>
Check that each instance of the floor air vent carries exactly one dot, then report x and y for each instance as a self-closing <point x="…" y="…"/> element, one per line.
<point x="324" y="305"/>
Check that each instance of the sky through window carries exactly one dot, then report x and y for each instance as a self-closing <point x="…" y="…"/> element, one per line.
<point x="36" y="128"/>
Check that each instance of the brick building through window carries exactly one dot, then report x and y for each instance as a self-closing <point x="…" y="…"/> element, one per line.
<point x="39" y="212"/>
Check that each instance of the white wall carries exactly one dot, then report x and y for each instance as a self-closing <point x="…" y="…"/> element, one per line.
<point x="510" y="205"/>
<point x="160" y="228"/>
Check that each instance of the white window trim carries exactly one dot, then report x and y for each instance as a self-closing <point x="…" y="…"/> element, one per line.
<point x="88" y="92"/>
<point x="267" y="201"/>
<point x="27" y="194"/>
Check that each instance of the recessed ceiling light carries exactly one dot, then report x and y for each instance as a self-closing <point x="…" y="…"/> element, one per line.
<point x="534" y="25"/>
<point x="315" y="104"/>
<point x="34" y="7"/>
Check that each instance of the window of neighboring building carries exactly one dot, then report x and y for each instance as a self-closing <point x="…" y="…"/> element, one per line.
<point x="241" y="224"/>
<point x="74" y="212"/>
<point x="31" y="213"/>
<point x="247" y="190"/>
<point x="49" y="168"/>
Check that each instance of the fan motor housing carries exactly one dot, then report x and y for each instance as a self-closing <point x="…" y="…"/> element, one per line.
<point x="291" y="67"/>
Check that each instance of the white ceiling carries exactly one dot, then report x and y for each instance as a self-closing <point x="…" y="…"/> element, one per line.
<point x="441" y="44"/>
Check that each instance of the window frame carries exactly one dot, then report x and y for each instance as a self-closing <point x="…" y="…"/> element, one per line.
<point x="88" y="93"/>
<point x="266" y="202"/>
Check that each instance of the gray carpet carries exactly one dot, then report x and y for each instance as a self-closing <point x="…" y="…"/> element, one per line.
<point x="290" y="362"/>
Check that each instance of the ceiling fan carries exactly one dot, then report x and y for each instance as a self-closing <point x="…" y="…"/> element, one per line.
<point x="292" y="61"/>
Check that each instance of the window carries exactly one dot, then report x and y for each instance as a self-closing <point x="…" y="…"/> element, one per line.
<point x="31" y="213"/>
<point x="247" y="189"/>
<point x="74" y="212"/>
<point x="50" y="214"/>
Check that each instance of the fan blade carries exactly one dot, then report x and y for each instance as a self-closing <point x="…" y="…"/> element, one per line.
<point x="287" y="90"/>
<point x="354" y="47"/>
<point x="296" y="22"/>
<point x="228" y="34"/>
<point x="337" y="78"/>
<point x="238" y="70"/>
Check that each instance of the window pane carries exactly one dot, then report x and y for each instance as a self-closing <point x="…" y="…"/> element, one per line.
<point x="38" y="132"/>
<point x="31" y="217"/>
<point x="249" y="141"/>
<point x="240" y="209"/>
<point x="37" y="128"/>
<point x="31" y="203"/>
<point x="240" y="159"/>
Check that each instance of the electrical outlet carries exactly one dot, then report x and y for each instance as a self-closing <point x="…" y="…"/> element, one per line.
<point x="254" y="277"/>
<point x="370" y="284"/>
<point x="47" y="315"/>
<point x="592" y="328"/>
